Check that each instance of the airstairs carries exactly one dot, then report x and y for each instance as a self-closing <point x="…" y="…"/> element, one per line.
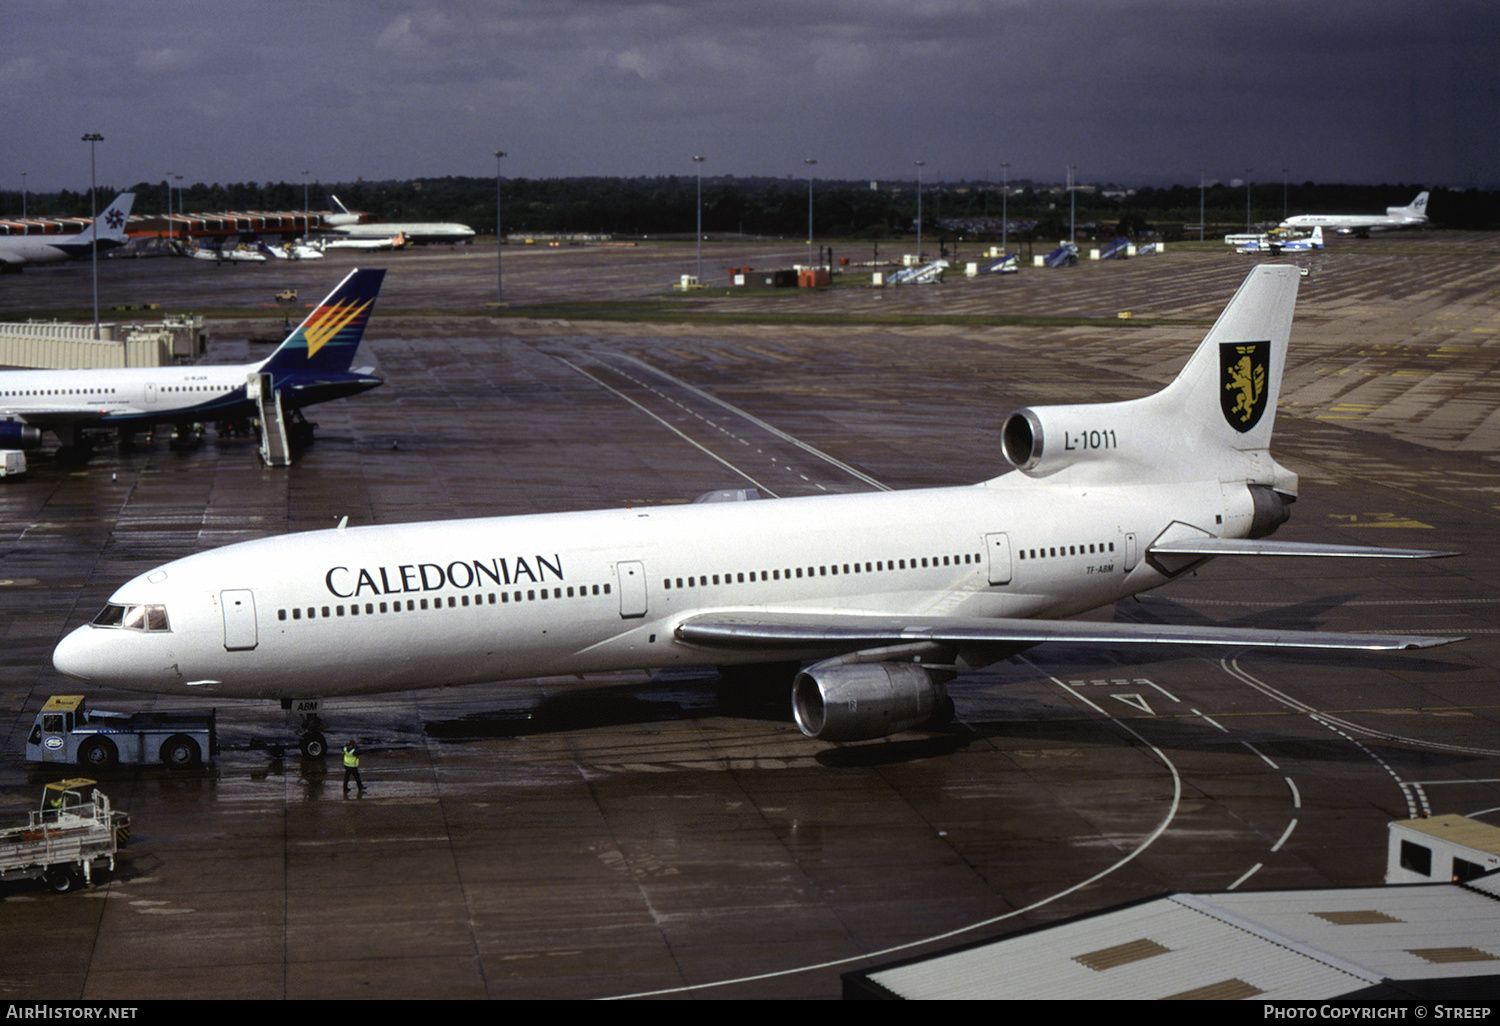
<point x="1065" y="255"/>
<point x="274" y="449"/>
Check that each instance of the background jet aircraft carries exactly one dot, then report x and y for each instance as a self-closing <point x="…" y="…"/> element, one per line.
<point x="1414" y="213"/>
<point x="347" y="224"/>
<point x="891" y="594"/>
<point x="19" y="250"/>
<point x="310" y="366"/>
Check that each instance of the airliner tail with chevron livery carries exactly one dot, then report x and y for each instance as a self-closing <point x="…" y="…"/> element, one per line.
<point x="312" y="365"/>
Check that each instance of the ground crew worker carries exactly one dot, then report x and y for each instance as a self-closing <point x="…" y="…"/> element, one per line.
<point x="351" y="766"/>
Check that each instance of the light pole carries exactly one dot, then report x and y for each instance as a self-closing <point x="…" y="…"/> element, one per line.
<point x="1202" y="180"/>
<point x="1072" y="207"/>
<point x="23" y="195"/>
<point x="1285" y="177"/>
<point x="699" y="170"/>
<point x="1004" y="205"/>
<point x="306" y="213"/>
<point x="919" y="163"/>
<point x="809" y="162"/>
<point x="1247" y="199"/>
<point x="499" y="235"/>
<point x="91" y="138"/>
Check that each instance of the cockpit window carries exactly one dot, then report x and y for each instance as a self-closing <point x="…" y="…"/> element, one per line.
<point x="110" y="616"/>
<point x="137" y="618"/>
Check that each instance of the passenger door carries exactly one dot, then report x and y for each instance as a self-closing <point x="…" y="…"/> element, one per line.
<point x="632" y="578"/>
<point x="239" y="619"/>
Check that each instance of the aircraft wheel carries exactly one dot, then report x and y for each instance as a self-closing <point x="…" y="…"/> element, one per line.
<point x="314" y="745"/>
<point x="180" y="752"/>
<point x="98" y="752"/>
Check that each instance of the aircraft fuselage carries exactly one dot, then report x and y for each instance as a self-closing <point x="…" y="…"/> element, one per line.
<point x="385" y="608"/>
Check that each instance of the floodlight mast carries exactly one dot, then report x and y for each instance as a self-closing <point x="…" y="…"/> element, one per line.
<point x="91" y="138"/>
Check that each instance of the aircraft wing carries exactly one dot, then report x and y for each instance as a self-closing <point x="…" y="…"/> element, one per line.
<point x="847" y="633"/>
<point x="1266" y="547"/>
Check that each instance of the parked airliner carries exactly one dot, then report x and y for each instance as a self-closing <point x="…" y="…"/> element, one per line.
<point x="889" y="594"/>
<point x="1409" y="216"/>
<point x="18" y="250"/>
<point x="312" y="365"/>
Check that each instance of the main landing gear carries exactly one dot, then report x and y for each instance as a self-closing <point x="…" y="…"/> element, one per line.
<point x="311" y="741"/>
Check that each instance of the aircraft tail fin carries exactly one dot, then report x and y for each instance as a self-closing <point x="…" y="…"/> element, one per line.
<point x="1214" y="420"/>
<point x="1231" y="383"/>
<point x="328" y="338"/>
<point x="1416" y="210"/>
<point x="335" y="205"/>
<point x="110" y="225"/>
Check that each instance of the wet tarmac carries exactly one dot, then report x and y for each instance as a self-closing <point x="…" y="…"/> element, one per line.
<point x="665" y="834"/>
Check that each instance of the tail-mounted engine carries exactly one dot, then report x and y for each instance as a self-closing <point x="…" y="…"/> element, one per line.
<point x="1041" y="440"/>
<point x="836" y="701"/>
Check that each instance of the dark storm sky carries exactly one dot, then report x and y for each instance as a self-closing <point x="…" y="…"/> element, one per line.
<point x="1130" y="91"/>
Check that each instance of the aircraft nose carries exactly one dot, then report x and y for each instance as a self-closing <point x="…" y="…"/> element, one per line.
<point x="76" y="656"/>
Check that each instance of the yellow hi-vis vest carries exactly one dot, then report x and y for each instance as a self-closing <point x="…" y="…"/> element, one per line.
<point x="350" y="758"/>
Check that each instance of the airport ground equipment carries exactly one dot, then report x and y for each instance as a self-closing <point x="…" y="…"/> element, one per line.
<point x="919" y="274"/>
<point x="12" y="462"/>
<point x="72" y="835"/>
<point x="67" y="731"/>
<point x="1445" y="849"/>
<point x="1065" y="255"/>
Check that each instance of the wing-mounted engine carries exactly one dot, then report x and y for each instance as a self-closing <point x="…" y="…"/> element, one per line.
<point x="839" y="701"/>
<point x="15" y="435"/>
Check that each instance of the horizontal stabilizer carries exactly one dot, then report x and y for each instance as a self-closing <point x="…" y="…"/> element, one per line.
<point x="1267" y="547"/>
<point x="850" y="633"/>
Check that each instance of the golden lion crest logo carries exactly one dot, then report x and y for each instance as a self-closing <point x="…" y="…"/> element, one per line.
<point x="1243" y="370"/>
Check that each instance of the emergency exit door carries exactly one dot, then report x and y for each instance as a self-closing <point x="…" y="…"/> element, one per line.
<point x="998" y="546"/>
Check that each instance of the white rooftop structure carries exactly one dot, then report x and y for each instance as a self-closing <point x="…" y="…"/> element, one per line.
<point x="1402" y="942"/>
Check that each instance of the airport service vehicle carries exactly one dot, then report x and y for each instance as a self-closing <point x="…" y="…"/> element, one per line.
<point x="889" y="594"/>
<point x="12" y="462"/>
<point x="74" y="834"/>
<point x="67" y="731"/>
<point x="107" y="231"/>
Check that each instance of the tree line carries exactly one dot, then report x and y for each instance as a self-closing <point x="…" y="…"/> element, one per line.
<point x="778" y="207"/>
